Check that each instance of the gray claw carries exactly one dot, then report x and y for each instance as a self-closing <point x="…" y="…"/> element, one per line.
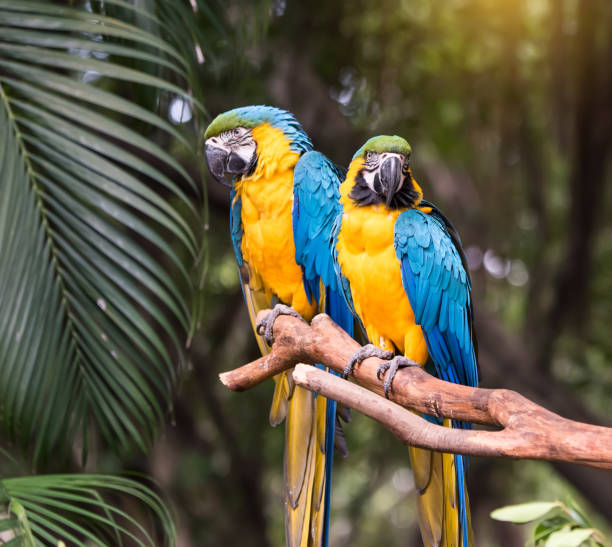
<point x="383" y="367"/>
<point x="369" y="350"/>
<point x="265" y="327"/>
<point x="393" y="366"/>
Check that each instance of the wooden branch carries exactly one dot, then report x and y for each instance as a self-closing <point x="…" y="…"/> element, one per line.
<point x="528" y="430"/>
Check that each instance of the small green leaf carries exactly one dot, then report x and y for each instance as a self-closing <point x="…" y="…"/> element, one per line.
<point x="577" y="513"/>
<point x="547" y="527"/>
<point x="526" y="512"/>
<point x="569" y="538"/>
<point x="18" y="510"/>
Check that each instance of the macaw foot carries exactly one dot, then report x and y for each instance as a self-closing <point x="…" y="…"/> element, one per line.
<point x="393" y="365"/>
<point x="343" y="414"/>
<point x="339" y="439"/>
<point x="265" y="327"/>
<point x="369" y="350"/>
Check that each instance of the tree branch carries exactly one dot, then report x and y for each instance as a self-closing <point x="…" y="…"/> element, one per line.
<point x="528" y="430"/>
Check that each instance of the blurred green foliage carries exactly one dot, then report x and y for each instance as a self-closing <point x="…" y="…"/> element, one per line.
<point x="557" y="524"/>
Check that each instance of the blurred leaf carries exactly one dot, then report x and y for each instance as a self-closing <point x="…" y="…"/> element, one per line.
<point x="569" y="538"/>
<point x="547" y="527"/>
<point x="17" y="509"/>
<point x="576" y="512"/>
<point x="70" y="508"/>
<point x="526" y="512"/>
<point x="561" y="525"/>
<point x="95" y="254"/>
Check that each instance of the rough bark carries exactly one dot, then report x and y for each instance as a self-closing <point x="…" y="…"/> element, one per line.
<point x="527" y="429"/>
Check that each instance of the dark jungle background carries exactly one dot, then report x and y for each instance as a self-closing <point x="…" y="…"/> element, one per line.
<point x="507" y="105"/>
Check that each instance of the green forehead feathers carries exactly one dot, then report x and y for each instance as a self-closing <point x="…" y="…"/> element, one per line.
<point x="384" y="143"/>
<point x="229" y="120"/>
<point x="251" y="117"/>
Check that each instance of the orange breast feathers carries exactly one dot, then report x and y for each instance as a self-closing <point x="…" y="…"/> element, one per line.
<point x="367" y="259"/>
<point x="267" y="240"/>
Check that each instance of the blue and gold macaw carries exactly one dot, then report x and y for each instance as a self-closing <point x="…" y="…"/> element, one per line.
<point x="404" y="275"/>
<point x="284" y="199"/>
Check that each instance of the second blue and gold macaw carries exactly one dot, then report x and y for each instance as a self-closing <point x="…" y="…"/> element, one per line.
<point x="284" y="200"/>
<point x="403" y="271"/>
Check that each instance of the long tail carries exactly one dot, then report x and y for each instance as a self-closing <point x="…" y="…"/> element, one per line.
<point x="307" y="462"/>
<point x="442" y="498"/>
<point x="337" y="308"/>
<point x="304" y="468"/>
<point x="309" y="448"/>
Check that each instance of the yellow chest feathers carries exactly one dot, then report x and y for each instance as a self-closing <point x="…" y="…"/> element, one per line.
<point x="267" y="201"/>
<point x="367" y="259"/>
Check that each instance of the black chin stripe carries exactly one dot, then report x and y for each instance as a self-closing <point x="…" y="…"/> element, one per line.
<point x="406" y="197"/>
<point x="363" y="195"/>
<point x="252" y="165"/>
<point x="377" y="184"/>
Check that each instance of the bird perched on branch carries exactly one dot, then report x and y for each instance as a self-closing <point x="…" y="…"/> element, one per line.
<point x="404" y="275"/>
<point x="284" y="199"/>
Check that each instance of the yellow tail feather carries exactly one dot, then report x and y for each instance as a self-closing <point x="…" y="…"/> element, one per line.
<point x="430" y="494"/>
<point x="319" y="486"/>
<point x="451" y="509"/>
<point x="282" y="393"/>
<point x="435" y="480"/>
<point x="304" y="468"/>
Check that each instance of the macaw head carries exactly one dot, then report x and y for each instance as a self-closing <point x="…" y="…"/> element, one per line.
<point x="240" y="139"/>
<point x="381" y="173"/>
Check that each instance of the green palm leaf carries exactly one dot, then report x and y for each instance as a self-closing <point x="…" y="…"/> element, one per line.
<point x="47" y="509"/>
<point x="96" y="234"/>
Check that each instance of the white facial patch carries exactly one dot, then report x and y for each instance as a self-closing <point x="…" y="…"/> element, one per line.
<point x="239" y="140"/>
<point x="369" y="178"/>
<point x="373" y="162"/>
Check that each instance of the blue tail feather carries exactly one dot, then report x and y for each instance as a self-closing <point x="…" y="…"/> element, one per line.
<point x="463" y="519"/>
<point x="337" y="309"/>
<point x="329" y="457"/>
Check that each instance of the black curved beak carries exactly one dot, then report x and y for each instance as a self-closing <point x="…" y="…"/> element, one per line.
<point x="216" y="158"/>
<point x="236" y="165"/>
<point x="390" y="177"/>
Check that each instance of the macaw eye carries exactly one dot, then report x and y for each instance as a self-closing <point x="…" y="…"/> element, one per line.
<point x="237" y="132"/>
<point x="369" y="155"/>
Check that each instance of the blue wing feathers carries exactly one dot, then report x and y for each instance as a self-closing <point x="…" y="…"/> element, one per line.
<point x="429" y="317"/>
<point x="437" y="285"/>
<point x="316" y="207"/>
<point x="316" y="189"/>
<point x="236" y="224"/>
<point x="443" y="320"/>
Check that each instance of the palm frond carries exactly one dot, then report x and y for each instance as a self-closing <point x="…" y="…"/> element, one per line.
<point x="96" y="228"/>
<point x="75" y="509"/>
